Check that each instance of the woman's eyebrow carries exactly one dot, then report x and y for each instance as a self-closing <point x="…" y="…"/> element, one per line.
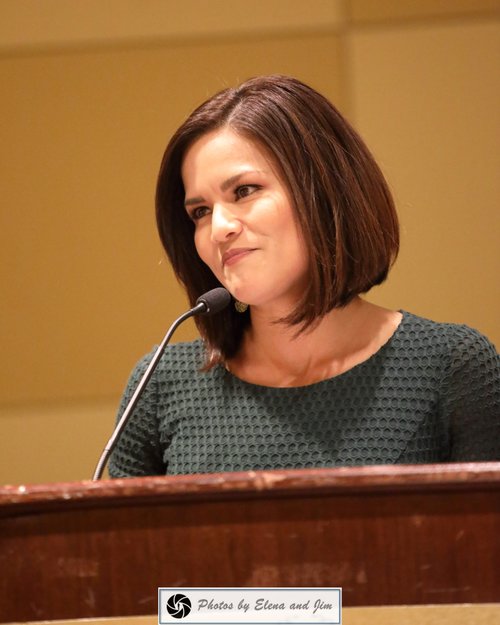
<point x="193" y="200"/>
<point x="230" y="181"/>
<point x="224" y="186"/>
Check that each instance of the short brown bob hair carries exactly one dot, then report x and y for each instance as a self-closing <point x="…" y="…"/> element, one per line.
<point x="341" y="200"/>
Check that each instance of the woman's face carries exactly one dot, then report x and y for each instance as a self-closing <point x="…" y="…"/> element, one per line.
<point x="245" y="228"/>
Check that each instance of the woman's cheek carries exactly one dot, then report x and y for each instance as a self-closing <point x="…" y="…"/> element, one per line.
<point x="208" y="255"/>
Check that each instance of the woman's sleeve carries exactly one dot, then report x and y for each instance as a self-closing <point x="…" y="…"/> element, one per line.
<point x="472" y="397"/>
<point x="138" y="451"/>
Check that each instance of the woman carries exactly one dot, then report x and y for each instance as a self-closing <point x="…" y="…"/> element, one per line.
<point x="267" y="190"/>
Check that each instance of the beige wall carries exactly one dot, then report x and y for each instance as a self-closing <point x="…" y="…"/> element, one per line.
<point x="86" y="113"/>
<point x="426" y="99"/>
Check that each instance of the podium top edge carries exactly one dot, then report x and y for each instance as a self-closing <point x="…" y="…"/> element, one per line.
<point x="263" y="484"/>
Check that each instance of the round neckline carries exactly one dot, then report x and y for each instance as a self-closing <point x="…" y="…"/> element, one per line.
<point x="382" y="349"/>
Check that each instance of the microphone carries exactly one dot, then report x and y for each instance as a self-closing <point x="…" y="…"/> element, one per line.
<point x="213" y="301"/>
<point x="209" y="303"/>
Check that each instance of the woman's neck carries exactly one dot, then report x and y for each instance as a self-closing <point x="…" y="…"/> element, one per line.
<point x="272" y="354"/>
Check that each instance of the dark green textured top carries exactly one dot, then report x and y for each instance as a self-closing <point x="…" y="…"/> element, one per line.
<point x="430" y="394"/>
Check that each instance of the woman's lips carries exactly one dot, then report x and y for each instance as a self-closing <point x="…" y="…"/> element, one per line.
<point x="233" y="256"/>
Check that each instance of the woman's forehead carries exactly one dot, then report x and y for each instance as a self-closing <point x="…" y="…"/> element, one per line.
<point x="225" y="148"/>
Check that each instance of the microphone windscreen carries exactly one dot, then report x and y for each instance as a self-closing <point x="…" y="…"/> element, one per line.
<point x="214" y="300"/>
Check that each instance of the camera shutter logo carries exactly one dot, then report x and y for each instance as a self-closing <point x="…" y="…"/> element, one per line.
<point x="178" y="606"/>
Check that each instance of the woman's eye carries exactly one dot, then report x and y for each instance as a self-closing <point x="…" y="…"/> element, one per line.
<point x="245" y="190"/>
<point x="198" y="212"/>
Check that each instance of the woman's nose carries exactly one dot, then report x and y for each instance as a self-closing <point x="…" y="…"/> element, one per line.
<point x="224" y="223"/>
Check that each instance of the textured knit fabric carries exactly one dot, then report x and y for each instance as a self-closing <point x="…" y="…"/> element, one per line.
<point x="430" y="394"/>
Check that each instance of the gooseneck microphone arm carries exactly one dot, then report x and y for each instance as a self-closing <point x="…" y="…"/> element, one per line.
<point x="208" y="304"/>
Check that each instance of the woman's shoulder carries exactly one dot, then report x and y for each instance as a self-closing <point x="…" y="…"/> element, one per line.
<point x="178" y="360"/>
<point x="456" y="340"/>
<point x="184" y="355"/>
<point x="450" y="331"/>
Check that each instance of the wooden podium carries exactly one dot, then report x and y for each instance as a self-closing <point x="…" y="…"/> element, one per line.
<point x="423" y="534"/>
